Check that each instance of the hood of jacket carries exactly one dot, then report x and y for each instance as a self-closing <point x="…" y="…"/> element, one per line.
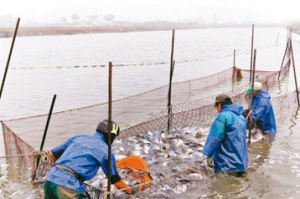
<point x="262" y="94"/>
<point x="235" y="108"/>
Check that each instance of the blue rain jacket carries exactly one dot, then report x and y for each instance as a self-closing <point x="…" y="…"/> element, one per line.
<point x="84" y="154"/>
<point x="262" y="112"/>
<point x="226" y="141"/>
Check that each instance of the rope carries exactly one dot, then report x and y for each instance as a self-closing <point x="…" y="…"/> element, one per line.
<point x="248" y="115"/>
<point x="13" y="156"/>
<point x="44" y="156"/>
<point x="144" y="63"/>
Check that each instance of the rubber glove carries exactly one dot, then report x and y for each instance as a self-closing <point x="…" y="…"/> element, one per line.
<point x="52" y="157"/>
<point x="122" y="185"/>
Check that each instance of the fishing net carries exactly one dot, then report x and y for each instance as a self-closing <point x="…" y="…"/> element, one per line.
<point x="201" y="112"/>
<point x="146" y="112"/>
<point x="24" y="135"/>
<point x="168" y="186"/>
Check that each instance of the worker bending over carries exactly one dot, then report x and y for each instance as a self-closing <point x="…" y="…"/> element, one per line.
<point x="78" y="160"/>
<point x="262" y="111"/>
<point x="226" y="147"/>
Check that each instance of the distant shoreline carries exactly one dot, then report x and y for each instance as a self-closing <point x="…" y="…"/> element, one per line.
<point x="73" y="30"/>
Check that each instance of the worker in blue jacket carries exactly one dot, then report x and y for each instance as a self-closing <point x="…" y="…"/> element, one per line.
<point x="226" y="147"/>
<point x="78" y="160"/>
<point x="262" y="111"/>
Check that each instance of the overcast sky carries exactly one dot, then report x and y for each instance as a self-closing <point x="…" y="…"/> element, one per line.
<point x="149" y="10"/>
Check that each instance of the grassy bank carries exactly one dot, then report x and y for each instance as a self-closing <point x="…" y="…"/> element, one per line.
<point x="85" y="29"/>
<point x="71" y="30"/>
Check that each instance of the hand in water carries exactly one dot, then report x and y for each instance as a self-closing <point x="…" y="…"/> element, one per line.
<point x="210" y="162"/>
<point x="135" y="190"/>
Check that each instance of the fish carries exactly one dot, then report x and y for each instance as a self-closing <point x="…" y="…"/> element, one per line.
<point x="176" y="154"/>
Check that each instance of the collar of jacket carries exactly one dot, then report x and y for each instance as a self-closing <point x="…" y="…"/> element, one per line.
<point x="235" y="108"/>
<point x="262" y="94"/>
<point x="99" y="136"/>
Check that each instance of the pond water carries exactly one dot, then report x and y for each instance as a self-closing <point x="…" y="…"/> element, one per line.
<point x="29" y="91"/>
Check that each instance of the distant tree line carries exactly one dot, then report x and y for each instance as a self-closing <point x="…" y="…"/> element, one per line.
<point x="76" y="19"/>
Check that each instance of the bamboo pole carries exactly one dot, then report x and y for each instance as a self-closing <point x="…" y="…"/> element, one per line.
<point x="9" y="56"/>
<point x="251" y="97"/>
<point x="172" y="64"/>
<point x="109" y="127"/>
<point x="45" y="134"/>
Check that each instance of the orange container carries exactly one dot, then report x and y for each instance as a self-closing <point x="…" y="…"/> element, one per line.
<point x="138" y="169"/>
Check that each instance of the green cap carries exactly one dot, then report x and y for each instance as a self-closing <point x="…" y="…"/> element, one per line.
<point x="250" y="90"/>
<point x="257" y="86"/>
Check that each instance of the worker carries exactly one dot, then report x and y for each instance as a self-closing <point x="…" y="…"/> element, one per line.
<point x="78" y="160"/>
<point x="226" y="147"/>
<point x="262" y="111"/>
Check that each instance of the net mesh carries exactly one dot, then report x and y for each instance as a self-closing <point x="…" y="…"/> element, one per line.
<point x="172" y="185"/>
<point x="193" y="106"/>
<point x="199" y="113"/>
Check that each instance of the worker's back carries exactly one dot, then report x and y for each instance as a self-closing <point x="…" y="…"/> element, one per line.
<point x="84" y="154"/>
<point x="263" y="113"/>
<point x="226" y="142"/>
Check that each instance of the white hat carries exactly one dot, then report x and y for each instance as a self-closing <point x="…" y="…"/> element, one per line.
<point x="257" y="87"/>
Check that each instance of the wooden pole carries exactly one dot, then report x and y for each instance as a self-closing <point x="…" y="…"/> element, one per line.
<point x="251" y="97"/>
<point x="294" y="68"/>
<point x="9" y="56"/>
<point x="172" y="64"/>
<point x="286" y="50"/>
<point x="234" y="58"/>
<point x="233" y="71"/>
<point x="285" y="54"/>
<point x="287" y="32"/>
<point x="109" y="127"/>
<point x="45" y="133"/>
<point x="170" y="97"/>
